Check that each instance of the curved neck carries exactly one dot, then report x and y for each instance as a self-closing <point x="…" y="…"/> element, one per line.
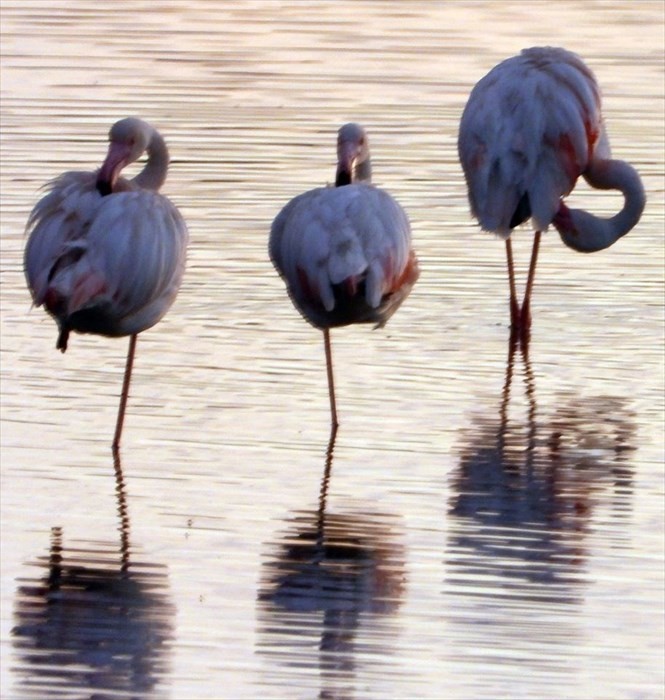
<point x="587" y="233"/>
<point x="153" y="175"/>
<point x="360" y="171"/>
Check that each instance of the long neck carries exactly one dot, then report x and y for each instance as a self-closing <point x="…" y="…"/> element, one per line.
<point x="360" y="171"/>
<point x="363" y="171"/>
<point x="587" y="233"/>
<point x="153" y="175"/>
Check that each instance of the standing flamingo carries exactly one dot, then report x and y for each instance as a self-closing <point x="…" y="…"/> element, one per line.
<point x="105" y="254"/>
<point x="531" y="127"/>
<point x="345" y="252"/>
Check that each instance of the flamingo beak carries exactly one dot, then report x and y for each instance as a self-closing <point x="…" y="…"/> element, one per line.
<point x="563" y="221"/>
<point x="116" y="159"/>
<point x="347" y="152"/>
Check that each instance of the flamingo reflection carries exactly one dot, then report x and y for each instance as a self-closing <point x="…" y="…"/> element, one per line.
<point x="524" y="499"/>
<point x="93" y="622"/>
<point x="335" y="579"/>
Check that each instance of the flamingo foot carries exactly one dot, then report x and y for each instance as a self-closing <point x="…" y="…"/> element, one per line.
<point x="520" y="324"/>
<point x="515" y="315"/>
<point x="515" y="320"/>
<point x="525" y="325"/>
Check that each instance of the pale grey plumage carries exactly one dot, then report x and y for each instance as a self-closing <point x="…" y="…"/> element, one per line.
<point x="345" y="252"/>
<point x="107" y="264"/>
<point x="106" y="255"/>
<point x="530" y="128"/>
<point x="330" y="235"/>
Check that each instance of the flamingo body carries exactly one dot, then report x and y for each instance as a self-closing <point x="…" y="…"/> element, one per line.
<point x="104" y="254"/>
<point x="528" y="131"/>
<point x="345" y="252"/>
<point x="531" y="127"/>
<point x="108" y="265"/>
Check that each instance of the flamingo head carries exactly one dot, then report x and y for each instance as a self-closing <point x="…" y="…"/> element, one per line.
<point x="353" y="163"/>
<point x="129" y="138"/>
<point x="582" y="231"/>
<point x="563" y="221"/>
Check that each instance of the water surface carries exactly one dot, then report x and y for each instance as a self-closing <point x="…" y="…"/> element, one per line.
<point x="488" y="525"/>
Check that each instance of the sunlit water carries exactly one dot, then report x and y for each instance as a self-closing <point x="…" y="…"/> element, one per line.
<point x="488" y="525"/>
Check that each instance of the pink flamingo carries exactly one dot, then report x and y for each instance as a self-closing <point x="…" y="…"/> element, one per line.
<point x="530" y="128"/>
<point x="105" y="254"/>
<point x="345" y="252"/>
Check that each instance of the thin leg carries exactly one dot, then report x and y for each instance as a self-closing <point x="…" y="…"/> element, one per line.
<point x="123" y="512"/>
<point x="514" y="305"/>
<point x="323" y="494"/>
<point x="505" y="397"/>
<point x="331" y="382"/>
<point x="125" y="392"/>
<point x="525" y="316"/>
<point x="531" y="415"/>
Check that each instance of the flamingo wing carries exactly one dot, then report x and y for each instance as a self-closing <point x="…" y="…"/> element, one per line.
<point x="135" y="259"/>
<point x="58" y="222"/>
<point x="527" y="132"/>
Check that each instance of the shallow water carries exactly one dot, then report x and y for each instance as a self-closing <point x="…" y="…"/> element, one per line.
<point x="486" y="524"/>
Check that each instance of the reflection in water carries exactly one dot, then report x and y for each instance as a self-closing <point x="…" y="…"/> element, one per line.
<point x="326" y="589"/>
<point x="521" y="510"/>
<point x="93" y="622"/>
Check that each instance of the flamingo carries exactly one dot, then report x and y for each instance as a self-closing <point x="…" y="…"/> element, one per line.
<point x="105" y="254"/>
<point x="530" y="128"/>
<point x="345" y="252"/>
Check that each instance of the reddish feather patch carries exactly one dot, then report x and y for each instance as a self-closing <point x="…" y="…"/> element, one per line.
<point x="569" y="159"/>
<point x="592" y="135"/>
<point x="409" y="275"/>
<point x="86" y="288"/>
<point x="308" y="290"/>
<point x="53" y="301"/>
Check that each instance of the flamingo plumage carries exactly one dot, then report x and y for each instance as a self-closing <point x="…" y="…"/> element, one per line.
<point x="345" y="252"/>
<point x="531" y="127"/>
<point x="105" y="254"/>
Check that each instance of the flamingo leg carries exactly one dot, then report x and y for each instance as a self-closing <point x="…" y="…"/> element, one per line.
<point x="125" y="392"/>
<point x="505" y="396"/>
<point x="331" y="382"/>
<point x="514" y="304"/>
<point x="525" y="315"/>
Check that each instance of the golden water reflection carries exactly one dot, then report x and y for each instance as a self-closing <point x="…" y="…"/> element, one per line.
<point x="331" y="585"/>
<point x="540" y="530"/>
<point x="525" y="496"/>
<point x="95" y="619"/>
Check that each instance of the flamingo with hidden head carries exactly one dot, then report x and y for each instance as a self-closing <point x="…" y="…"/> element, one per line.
<point x="530" y="128"/>
<point x="106" y="255"/>
<point x="345" y="252"/>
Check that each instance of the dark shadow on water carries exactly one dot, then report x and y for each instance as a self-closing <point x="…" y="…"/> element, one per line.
<point x="329" y="588"/>
<point x="528" y="485"/>
<point x="93" y="622"/>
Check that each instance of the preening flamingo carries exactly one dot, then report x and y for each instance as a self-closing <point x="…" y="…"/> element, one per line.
<point x="345" y="252"/>
<point x="106" y="255"/>
<point x="530" y="128"/>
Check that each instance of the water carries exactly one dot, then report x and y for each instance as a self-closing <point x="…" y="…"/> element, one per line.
<point x="486" y="525"/>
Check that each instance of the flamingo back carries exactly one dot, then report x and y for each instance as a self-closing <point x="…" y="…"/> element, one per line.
<point x="529" y="129"/>
<point x="62" y="217"/>
<point x="345" y="254"/>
